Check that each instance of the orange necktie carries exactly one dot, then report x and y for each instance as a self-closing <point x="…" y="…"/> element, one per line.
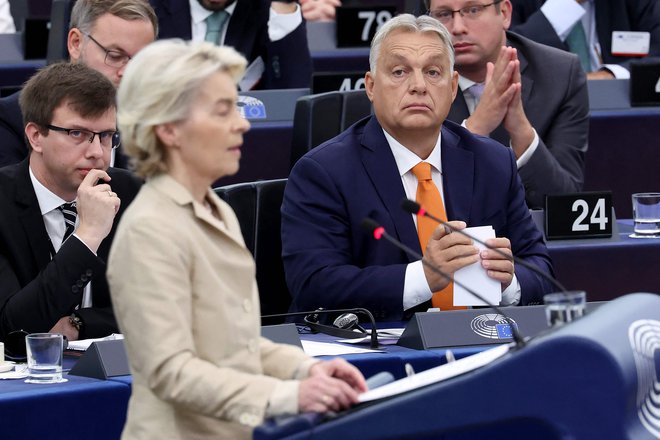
<point x="430" y="199"/>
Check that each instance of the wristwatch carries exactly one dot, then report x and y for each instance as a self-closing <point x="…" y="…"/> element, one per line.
<point x="74" y="320"/>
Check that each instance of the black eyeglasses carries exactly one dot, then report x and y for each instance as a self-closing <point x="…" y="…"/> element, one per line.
<point x="472" y="12"/>
<point x="108" y="139"/>
<point x="113" y="58"/>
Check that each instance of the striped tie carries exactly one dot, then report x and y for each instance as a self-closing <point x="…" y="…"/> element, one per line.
<point x="70" y="215"/>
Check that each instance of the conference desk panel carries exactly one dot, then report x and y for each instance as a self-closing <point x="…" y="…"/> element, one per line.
<point x="607" y="269"/>
<point x="81" y="408"/>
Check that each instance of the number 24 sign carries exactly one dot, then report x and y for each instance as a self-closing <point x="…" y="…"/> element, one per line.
<point x="579" y="215"/>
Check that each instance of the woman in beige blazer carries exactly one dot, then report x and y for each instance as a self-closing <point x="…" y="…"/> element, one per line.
<point x="182" y="282"/>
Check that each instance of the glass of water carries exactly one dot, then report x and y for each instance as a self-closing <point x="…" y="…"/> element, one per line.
<point x="564" y="307"/>
<point x="44" y="357"/>
<point x="646" y="214"/>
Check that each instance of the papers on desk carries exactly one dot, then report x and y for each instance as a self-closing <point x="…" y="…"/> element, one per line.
<point x="386" y="336"/>
<point x="435" y="375"/>
<point x="313" y="348"/>
<point x="475" y="276"/>
<point x="83" y="344"/>
<point x="10" y="370"/>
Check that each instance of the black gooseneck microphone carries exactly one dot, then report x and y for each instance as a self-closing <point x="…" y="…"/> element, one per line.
<point x="379" y="232"/>
<point x="415" y="208"/>
<point x="312" y="322"/>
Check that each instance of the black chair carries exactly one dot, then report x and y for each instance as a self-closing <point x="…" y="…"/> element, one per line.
<point x="60" y="15"/>
<point x="320" y="117"/>
<point x="257" y="207"/>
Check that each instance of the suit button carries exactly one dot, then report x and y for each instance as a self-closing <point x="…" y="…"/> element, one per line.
<point x="84" y="278"/>
<point x="75" y="289"/>
<point x="247" y="305"/>
<point x="89" y="272"/>
<point x="79" y="283"/>
<point x="252" y="346"/>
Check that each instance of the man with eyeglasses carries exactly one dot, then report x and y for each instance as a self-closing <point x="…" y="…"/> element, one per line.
<point x="59" y="208"/>
<point x="104" y="35"/>
<point x="525" y="95"/>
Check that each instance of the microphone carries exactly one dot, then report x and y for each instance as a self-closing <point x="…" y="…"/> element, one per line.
<point x="311" y="320"/>
<point x="348" y="321"/>
<point x="415" y="208"/>
<point x="379" y="232"/>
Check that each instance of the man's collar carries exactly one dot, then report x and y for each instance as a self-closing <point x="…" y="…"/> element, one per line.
<point x="198" y="13"/>
<point x="46" y="198"/>
<point x="406" y="159"/>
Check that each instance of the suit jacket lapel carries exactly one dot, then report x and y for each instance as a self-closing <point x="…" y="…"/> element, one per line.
<point x="383" y="172"/>
<point x="459" y="110"/>
<point x="457" y="177"/>
<point x="30" y="216"/>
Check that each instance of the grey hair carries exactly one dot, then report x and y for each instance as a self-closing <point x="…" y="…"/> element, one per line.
<point x="85" y="13"/>
<point x="158" y="87"/>
<point x="410" y="23"/>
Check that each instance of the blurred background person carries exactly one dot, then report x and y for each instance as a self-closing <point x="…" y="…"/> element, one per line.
<point x="319" y="10"/>
<point x="271" y="35"/>
<point x="508" y="90"/>
<point x="586" y="27"/>
<point x="104" y="35"/>
<point x="183" y="283"/>
<point x="6" y="19"/>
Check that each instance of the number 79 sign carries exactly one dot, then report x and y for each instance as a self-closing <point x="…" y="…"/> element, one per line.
<point x="579" y="215"/>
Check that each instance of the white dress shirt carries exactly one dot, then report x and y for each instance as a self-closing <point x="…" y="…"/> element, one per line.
<point x="49" y="203"/>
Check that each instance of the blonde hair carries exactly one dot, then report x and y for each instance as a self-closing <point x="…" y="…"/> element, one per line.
<point x="410" y="23"/>
<point x="159" y="86"/>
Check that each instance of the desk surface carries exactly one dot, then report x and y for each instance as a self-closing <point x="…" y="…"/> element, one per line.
<point x="97" y="409"/>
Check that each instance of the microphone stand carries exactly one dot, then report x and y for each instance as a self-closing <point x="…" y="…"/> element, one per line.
<point x="374" y="333"/>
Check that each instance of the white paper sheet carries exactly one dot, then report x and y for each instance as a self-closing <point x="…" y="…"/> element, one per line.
<point x="83" y="344"/>
<point x="437" y="374"/>
<point x="475" y="277"/>
<point x="313" y="348"/>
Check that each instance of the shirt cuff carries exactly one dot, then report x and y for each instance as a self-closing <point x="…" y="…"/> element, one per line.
<point x="511" y="295"/>
<point x="283" y="400"/>
<point x="562" y="15"/>
<point x="527" y="155"/>
<point x="619" y="72"/>
<point x="80" y="240"/>
<point x="281" y="25"/>
<point x="415" y="288"/>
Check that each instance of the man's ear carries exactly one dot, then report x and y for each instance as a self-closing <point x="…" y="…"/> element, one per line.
<point x="34" y="136"/>
<point x="369" y="85"/>
<point x="74" y="44"/>
<point x="506" y="9"/>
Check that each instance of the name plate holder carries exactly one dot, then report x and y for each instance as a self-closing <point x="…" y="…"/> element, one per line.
<point x="580" y="215"/>
<point x="102" y="360"/>
<point x="483" y="326"/>
<point x="356" y="25"/>
<point x="282" y="334"/>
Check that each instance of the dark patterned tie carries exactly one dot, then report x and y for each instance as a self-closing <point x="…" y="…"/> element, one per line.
<point x="70" y="215"/>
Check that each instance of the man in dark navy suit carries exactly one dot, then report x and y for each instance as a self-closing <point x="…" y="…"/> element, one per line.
<point x="331" y="262"/>
<point x="271" y="35"/>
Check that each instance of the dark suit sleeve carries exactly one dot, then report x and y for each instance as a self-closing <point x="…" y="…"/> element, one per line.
<point x="557" y="165"/>
<point x="328" y="261"/>
<point x="54" y="293"/>
<point x="13" y="148"/>
<point x="288" y="61"/>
